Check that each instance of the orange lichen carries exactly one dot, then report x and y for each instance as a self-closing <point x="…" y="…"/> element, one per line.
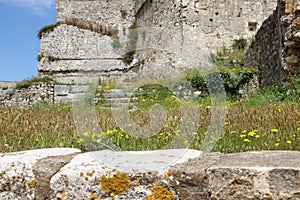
<point x="161" y="193"/>
<point x="31" y="184"/>
<point x="94" y="197"/>
<point x="115" y="184"/>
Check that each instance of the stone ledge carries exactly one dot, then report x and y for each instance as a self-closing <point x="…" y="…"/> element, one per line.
<point x="188" y="174"/>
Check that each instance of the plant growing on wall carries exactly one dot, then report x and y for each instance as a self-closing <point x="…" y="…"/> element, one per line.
<point x="46" y="29"/>
<point x="131" y="45"/>
<point x="28" y="82"/>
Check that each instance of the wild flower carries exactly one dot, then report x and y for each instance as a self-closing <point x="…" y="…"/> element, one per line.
<point x="274" y="130"/>
<point x="247" y="140"/>
<point x="277" y="144"/>
<point x="289" y="141"/>
<point x="251" y="133"/>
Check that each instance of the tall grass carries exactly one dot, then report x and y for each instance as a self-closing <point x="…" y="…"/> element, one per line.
<point x="248" y="127"/>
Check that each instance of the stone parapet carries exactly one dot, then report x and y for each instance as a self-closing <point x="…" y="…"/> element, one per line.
<point x="178" y="173"/>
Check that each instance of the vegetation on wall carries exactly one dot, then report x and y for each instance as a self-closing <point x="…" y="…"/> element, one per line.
<point x="82" y="24"/>
<point x="92" y="26"/>
<point x="131" y="45"/>
<point x="28" y="82"/>
<point x="46" y="29"/>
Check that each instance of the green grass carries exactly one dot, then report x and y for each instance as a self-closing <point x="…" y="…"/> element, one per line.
<point x="248" y="127"/>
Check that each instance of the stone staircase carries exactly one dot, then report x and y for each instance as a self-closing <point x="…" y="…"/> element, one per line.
<point x="119" y="97"/>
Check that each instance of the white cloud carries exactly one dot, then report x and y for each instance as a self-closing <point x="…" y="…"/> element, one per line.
<point x="40" y="7"/>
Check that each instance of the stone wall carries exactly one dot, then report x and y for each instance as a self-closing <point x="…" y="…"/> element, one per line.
<point x="291" y="42"/>
<point x="166" y="174"/>
<point x="75" y="53"/>
<point x="275" y="49"/>
<point x="88" y="41"/>
<point x="34" y="94"/>
<point x="42" y="93"/>
<point x="212" y="23"/>
<point x="111" y="13"/>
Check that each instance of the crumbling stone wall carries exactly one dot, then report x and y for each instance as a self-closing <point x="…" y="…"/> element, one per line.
<point x="212" y="23"/>
<point x="36" y="93"/>
<point x="275" y="49"/>
<point x="87" y="42"/>
<point x="75" y="53"/>
<point x="291" y="44"/>
<point x="43" y="93"/>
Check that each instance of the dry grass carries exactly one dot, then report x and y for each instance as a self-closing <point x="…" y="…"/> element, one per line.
<point x="247" y="128"/>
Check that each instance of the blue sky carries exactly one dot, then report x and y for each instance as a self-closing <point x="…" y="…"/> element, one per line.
<point x="20" y="21"/>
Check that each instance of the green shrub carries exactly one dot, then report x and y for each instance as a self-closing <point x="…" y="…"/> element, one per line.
<point x="233" y="79"/>
<point x="39" y="57"/>
<point x="46" y="29"/>
<point x="239" y="44"/>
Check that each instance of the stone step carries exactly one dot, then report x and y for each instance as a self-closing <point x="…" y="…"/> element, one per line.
<point x="121" y="100"/>
<point x="117" y="95"/>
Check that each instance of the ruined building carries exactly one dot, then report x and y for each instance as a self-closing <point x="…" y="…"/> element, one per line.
<point x="87" y="41"/>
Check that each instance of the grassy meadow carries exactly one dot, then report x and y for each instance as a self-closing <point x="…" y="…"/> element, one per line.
<point x="252" y="124"/>
<point x="268" y="119"/>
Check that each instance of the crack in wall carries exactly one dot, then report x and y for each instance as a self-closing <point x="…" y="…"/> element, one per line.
<point x="44" y="170"/>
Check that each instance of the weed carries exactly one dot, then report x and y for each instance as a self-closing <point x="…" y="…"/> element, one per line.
<point x="46" y="29"/>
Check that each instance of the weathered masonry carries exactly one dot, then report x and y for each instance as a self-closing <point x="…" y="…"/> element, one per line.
<point x="87" y="43"/>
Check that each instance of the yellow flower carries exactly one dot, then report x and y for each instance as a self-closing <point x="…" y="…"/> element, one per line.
<point x="242" y="136"/>
<point x="274" y="130"/>
<point x="37" y="140"/>
<point x="232" y="132"/>
<point x="299" y="138"/>
<point x="127" y="136"/>
<point x="252" y="133"/>
<point x="247" y="140"/>
<point x="79" y="141"/>
<point x="257" y="136"/>
<point x="289" y="141"/>
<point x="277" y="144"/>
<point x="86" y="134"/>
<point x="120" y="135"/>
<point x="244" y="131"/>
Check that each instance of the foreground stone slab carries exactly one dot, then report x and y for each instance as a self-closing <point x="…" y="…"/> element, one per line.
<point x="165" y="174"/>
<point x="21" y="173"/>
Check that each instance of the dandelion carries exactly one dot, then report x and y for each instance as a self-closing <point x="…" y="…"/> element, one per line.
<point x="257" y="136"/>
<point x="274" y="130"/>
<point x="277" y="144"/>
<point x="247" y="140"/>
<point x="244" y="131"/>
<point x="127" y="136"/>
<point x="37" y="140"/>
<point x="232" y="132"/>
<point x="242" y="136"/>
<point x="252" y="133"/>
<point x="289" y="141"/>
